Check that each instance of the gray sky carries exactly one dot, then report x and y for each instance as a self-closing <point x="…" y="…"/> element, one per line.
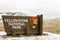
<point x="49" y="8"/>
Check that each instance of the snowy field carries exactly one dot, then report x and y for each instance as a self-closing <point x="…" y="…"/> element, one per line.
<point x="48" y="36"/>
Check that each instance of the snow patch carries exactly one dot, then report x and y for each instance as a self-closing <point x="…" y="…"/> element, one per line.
<point x="50" y="36"/>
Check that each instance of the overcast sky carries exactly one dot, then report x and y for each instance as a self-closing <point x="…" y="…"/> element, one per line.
<point x="49" y="8"/>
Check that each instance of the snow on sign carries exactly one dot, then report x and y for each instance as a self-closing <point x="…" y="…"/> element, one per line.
<point x="23" y="25"/>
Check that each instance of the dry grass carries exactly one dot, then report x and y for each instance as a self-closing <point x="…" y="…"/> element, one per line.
<point x="1" y="26"/>
<point x="52" y="26"/>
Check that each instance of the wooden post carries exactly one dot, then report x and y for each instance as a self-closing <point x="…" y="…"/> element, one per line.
<point x="40" y="24"/>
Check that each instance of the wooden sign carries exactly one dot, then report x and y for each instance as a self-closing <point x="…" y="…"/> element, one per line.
<point x="21" y="25"/>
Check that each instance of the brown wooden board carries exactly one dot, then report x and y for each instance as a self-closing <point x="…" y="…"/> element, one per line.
<point x="22" y="25"/>
<point x="33" y="28"/>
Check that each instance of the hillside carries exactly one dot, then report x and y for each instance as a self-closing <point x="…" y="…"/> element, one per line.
<point x="52" y="26"/>
<point x="48" y="26"/>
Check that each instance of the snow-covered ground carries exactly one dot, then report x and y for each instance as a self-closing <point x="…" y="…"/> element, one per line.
<point x="49" y="36"/>
<point x="12" y="14"/>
